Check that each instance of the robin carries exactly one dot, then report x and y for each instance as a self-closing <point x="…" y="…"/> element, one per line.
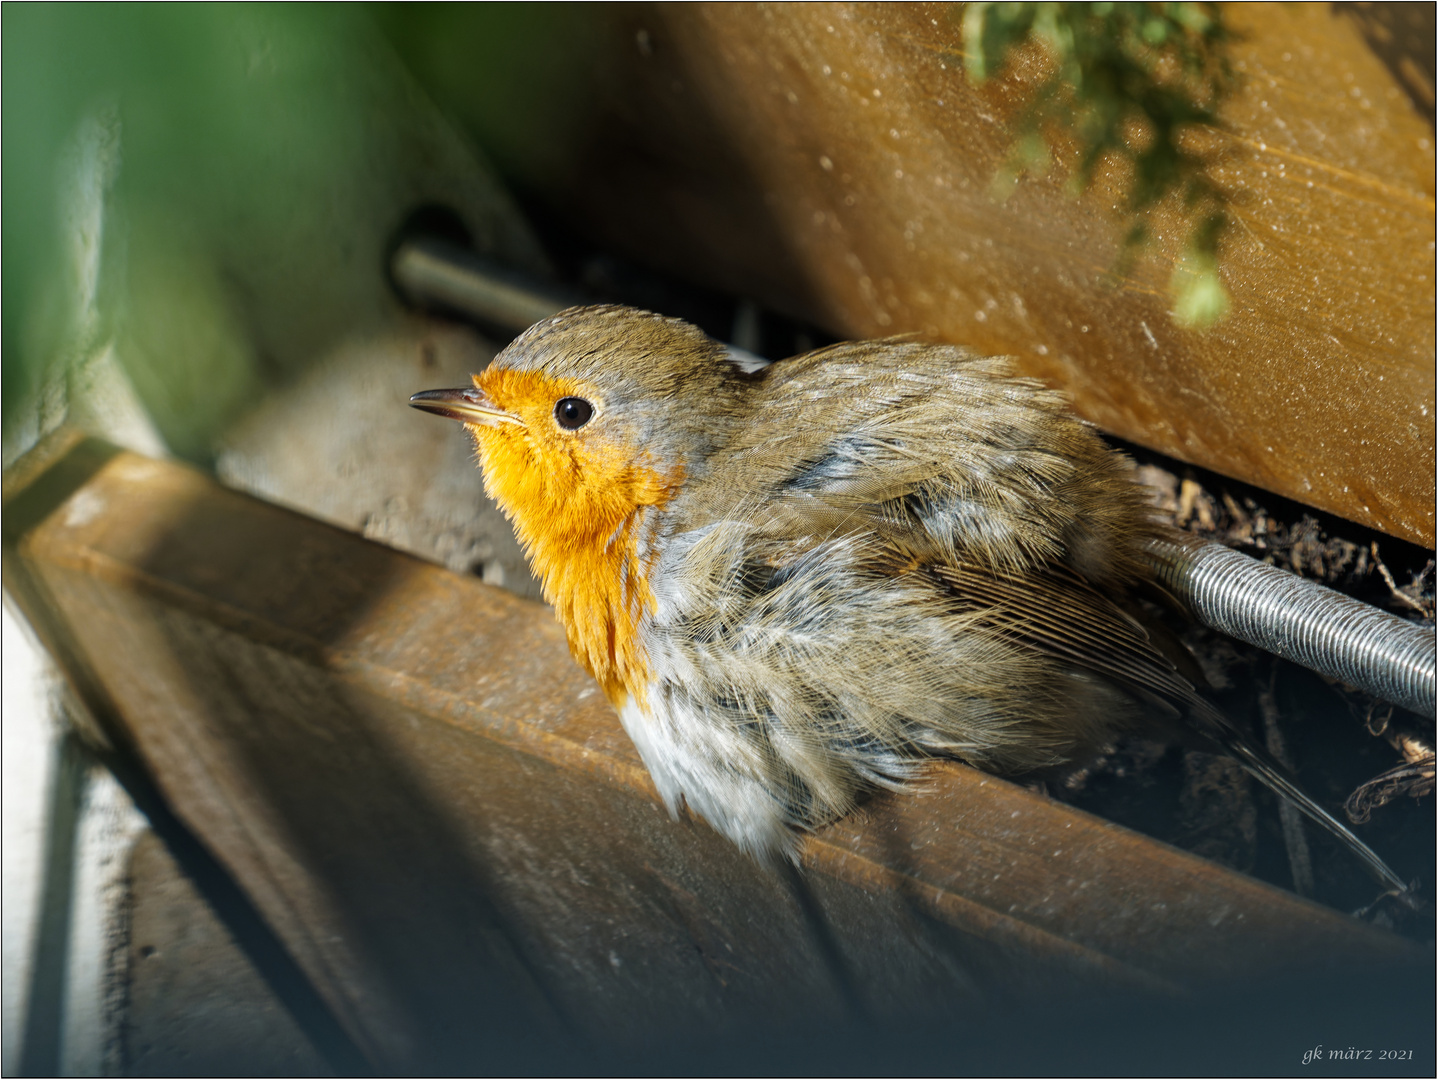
<point x="801" y="583"/>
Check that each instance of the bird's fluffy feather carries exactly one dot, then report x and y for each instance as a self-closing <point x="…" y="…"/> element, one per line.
<point x="806" y="643"/>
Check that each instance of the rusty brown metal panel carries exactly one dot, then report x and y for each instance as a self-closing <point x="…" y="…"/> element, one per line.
<point x="833" y="158"/>
<point x="442" y="819"/>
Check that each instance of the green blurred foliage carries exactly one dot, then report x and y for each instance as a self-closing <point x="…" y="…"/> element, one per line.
<point x="518" y="76"/>
<point x="1129" y="80"/>
<point x="202" y="129"/>
<point x="211" y="163"/>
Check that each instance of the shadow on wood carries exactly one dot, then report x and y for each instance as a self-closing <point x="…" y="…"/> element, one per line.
<point x="442" y="820"/>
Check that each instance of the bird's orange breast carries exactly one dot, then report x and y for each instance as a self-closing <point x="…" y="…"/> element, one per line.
<point x="576" y="502"/>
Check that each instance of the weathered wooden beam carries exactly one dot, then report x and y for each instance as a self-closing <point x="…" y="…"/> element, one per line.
<point x="440" y="816"/>
<point x="833" y="159"/>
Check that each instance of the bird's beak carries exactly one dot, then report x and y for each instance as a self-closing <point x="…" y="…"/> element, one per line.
<point x="469" y="406"/>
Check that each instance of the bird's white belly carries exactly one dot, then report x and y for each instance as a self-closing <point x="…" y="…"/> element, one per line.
<point x="697" y="761"/>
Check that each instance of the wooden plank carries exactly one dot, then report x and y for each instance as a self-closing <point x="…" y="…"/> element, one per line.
<point x="833" y="159"/>
<point x="442" y="819"/>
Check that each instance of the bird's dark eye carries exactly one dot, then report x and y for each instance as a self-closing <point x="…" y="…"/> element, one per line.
<point x="573" y="413"/>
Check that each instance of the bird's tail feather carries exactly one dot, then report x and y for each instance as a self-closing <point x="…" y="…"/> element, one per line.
<point x="1263" y="767"/>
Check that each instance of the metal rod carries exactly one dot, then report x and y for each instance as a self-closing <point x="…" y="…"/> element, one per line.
<point x="1303" y="621"/>
<point x="435" y="273"/>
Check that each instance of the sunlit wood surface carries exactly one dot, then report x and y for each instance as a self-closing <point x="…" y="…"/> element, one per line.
<point x="833" y="160"/>
<point x="440" y="816"/>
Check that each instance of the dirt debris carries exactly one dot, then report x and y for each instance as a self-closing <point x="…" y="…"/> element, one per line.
<point x="1347" y="748"/>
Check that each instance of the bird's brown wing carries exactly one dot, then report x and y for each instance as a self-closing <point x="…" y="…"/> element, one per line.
<point x="1059" y="613"/>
